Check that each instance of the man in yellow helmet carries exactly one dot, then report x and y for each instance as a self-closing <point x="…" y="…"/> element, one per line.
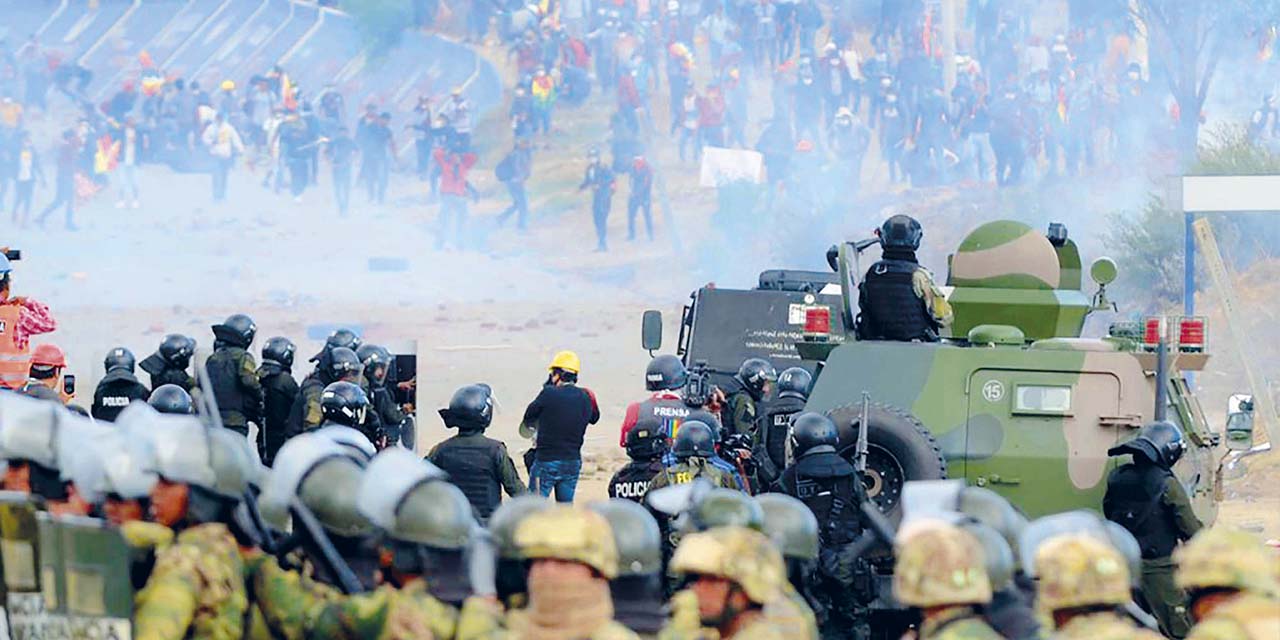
<point x="1083" y="583"/>
<point x="572" y="557"/>
<point x="1234" y="584"/>
<point x="560" y="415"/>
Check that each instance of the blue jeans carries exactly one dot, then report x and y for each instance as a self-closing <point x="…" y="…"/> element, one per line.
<point x="561" y="475"/>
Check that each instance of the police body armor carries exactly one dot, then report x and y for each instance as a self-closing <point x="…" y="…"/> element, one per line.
<point x="1134" y="500"/>
<point x="825" y="483"/>
<point x="179" y="377"/>
<point x="116" y="390"/>
<point x="224" y="374"/>
<point x="473" y="468"/>
<point x="632" y="481"/>
<point x="670" y="413"/>
<point x="889" y="308"/>
<point x="774" y="424"/>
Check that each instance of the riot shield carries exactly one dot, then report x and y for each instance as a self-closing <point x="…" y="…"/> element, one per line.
<point x="19" y="554"/>
<point x="96" y="590"/>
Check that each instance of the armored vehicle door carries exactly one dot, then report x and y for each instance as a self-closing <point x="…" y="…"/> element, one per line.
<point x="95" y="573"/>
<point x="1040" y="438"/>
<point x="19" y="559"/>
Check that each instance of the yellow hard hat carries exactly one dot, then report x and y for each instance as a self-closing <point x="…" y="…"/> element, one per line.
<point x="566" y="361"/>
<point x="228" y="85"/>
<point x="565" y="532"/>
<point x="1079" y="570"/>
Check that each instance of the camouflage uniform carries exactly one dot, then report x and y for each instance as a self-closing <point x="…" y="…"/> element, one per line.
<point x="386" y="613"/>
<point x="1234" y="561"/>
<point x="196" y="589"/>
<point x="286" y="600"/>
<point x="1079" y="571"/>
<point x="943" y="568"/>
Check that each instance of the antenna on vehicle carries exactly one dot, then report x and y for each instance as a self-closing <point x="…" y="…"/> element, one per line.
<point x="1162" y="371"/>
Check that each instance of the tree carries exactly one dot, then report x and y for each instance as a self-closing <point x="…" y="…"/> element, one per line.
<point x="1189" y="39"/>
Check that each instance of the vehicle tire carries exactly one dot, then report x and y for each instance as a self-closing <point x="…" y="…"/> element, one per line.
<point x="899" y="449"/>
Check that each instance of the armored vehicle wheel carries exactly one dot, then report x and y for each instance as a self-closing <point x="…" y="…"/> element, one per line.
<point x="899" y="448"/>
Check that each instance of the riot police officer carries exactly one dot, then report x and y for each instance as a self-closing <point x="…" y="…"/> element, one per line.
<point x="646" y="446"/>
<point x="334" y="365"/>
<point x="695" y="444"/>
<point x="637" y="590"/>
<point x="1146" y="498"/>
<point x="897" y="298"/>
<point x="234" y="375"/>
<point x="171" y="398"/>
<point x="118" y="388"/>
<point x="827" y="484"/>
<point x="279" y="391"/>
<point x="168" y="365"/>
<point x="343" y="403"/>
<point x="377" y="364"/>
<point x="480" y="466"/>
<point x="749" y="388"/>
<point x="775" y="423"/>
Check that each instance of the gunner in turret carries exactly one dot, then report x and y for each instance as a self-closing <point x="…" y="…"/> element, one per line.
<point x="897" y="299"/>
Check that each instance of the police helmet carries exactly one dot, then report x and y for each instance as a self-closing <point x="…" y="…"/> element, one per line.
<point x="344" y="403"/>
<point x="374" y="356"/>
<point x="695" y="439"/>
<point x="237" y="330"/>
<point x="470" y="409"/>
<point x="721" y="507"/>
<point x="794" y="382"/>
<point x="1161" y="443"/>
<point x="791" y="525"/>
<point x="170" y="398"/>
<point x="342" y="362"/>
<point x="339" y="338"/>
<point x="119" y="359"/>
<point x="646" y="440"/>
<point x="354" y="443"/>
<point x="754" y="373"/>
<point x="279" y="350"/>
<point x="635" y="534"/>
<point x="901" y="232"/>
<point x="812" y="433"/>
<point x="665" y="372"/>
<point x="177" y="349"/>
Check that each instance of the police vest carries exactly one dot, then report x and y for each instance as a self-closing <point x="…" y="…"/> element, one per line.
<point x="824" y="482"/>
<point x="15" y="363"/>
<point x="224" y="374"/>
<point x="472" y="467"/>
<point x="889" y="307"/>
<point x="1134" y="500"/>
<point x="670" y="413"/>
<point x="632" y="481"/>
<point x="774" y="426"/>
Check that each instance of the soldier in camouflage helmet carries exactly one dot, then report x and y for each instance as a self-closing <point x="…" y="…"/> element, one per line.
<point x="941" y="571"/>
<point x="637" y="590"/>
<point x="202" y="476"/>
<point x="733" y="574"/>
<point x="1084" y="581"/>
<point x="1234" y="585"/>
<point x="425" y="524"/>
<point x="572" y="558"/>
<point x="794" y="530"/>
<point x="511" y="571"/>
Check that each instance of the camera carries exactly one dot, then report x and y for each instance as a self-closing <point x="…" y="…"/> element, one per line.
<point x="13" y="254"/>
<point x="697" y="386"/>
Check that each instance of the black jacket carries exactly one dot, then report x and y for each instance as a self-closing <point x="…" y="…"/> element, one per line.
<point x="114" y="393"/>
<point x="562" y="413"/>
<point x="888" y="307"/>
<point x="824" y="481"/>
<point x="279" y="391"/>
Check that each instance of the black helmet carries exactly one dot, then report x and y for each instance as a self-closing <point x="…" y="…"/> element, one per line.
<point x="237" y="330"/>
<point x="901" y="232"/>
<point x="646" y="440"/>
<point x="342" y="361"/>
<point x="339" y="338"/>
<point x="695" y="439"/>
<point x="794" y="381"/>
<point x="1161" y="443"/>
<point x="813" y="432"/>
<point x="119" y="358"/>
<point x="344" y="403"/>
<point x="373" y="356"/>
<point x="665" y="372"/>
<point x="470" y="409"/>
<point x="754" y="373"/>
<point x="170" y="398"/>
<point x="280" y="351"/>
<point x="177" y="349"/>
